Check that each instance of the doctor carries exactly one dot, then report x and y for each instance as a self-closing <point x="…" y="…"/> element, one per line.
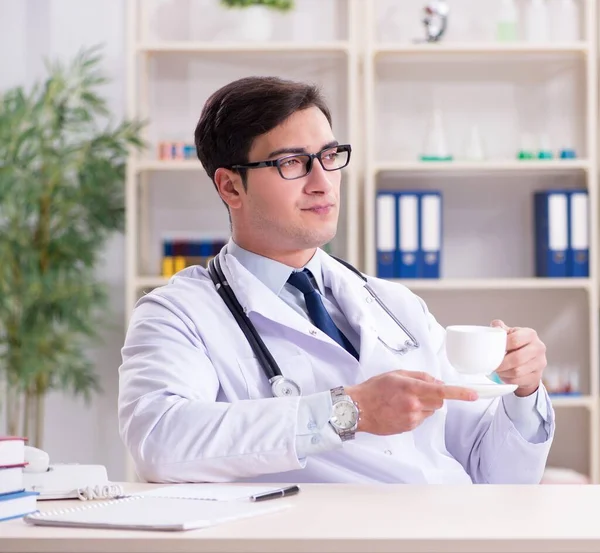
<point x="195" y="404"/>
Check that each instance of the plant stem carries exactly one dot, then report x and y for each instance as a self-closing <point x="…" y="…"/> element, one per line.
<point x="27" y="414"/>
<point x="12" y="410"/>
<point x="39" y="420"/>
<point x="40" y="386"/>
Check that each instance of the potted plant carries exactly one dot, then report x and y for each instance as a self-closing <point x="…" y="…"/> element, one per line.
<point x="62" y="167"/>
<point x="257" y="24"/>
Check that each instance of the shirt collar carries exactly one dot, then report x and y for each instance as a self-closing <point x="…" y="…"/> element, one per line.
<point x="271" y="273"/>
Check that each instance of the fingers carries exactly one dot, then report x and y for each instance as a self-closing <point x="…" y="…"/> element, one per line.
<point x="519" y="374"/>
<point x="419" y="375"/>
<point x="438" y="391"/>
<point x="521" y="337"/>
<point x="459" y="392"/>
<point x="500" y="324"/>
<point x="522" y="356"/>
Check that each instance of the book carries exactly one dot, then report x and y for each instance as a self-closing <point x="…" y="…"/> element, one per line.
<point x="11" y="479"/>
<point x="148" y="512"/>
<point x="16" y="505"/>
<point x="12" y="451"/>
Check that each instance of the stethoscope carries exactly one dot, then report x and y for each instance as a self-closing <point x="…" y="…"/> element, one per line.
<point x="282" y="386"/>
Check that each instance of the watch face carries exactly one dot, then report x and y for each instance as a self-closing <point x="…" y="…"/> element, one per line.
<point x="344" y="415"/>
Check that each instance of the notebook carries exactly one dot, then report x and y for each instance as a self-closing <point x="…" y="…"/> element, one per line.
<point x="147" y="512"/>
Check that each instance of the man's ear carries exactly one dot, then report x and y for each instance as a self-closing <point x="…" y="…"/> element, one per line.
<point x="230" y="187"/>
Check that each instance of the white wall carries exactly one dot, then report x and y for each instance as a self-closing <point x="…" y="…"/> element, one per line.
<point x="29" y="31"/>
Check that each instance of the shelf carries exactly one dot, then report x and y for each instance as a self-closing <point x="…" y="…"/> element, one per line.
<point x="575" y="401"/>
<point x="492" y="166"/>
<point x="449" y="284"/>
<point x="442" y="48"/>
<point x="555" y="165"/>
<point x="242" y="47"/>
<point x="159" y="165"/>
<point x="496" y="284"/>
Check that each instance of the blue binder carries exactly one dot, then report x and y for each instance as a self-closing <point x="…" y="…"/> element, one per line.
<point x="578" y="254"/>
<point x="407" y="256"/>
<point x="430" y="234"/>
<point x="386" y="234"/>
<point x="551" y="213"/>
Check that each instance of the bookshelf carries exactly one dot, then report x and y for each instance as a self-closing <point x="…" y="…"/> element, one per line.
<point x="376" y="84"/>
<point x="405" y="74"/>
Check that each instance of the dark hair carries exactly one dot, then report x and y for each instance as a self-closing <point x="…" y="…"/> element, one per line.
<point x="244" y="109"/>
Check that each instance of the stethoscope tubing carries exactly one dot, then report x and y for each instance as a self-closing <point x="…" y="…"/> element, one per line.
<point x="265" y="359"/>
<point x="263" y="355"/>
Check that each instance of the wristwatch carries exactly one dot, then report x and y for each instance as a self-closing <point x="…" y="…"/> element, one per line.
<point x="344" y="414"/>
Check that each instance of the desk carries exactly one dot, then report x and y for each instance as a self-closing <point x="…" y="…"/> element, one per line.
<point x="351" y="518"/>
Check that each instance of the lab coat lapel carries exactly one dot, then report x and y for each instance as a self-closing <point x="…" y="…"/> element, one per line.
<point x="258" y="300"/>
<point x="353" y="299"/>
<point x="362" y="311"/>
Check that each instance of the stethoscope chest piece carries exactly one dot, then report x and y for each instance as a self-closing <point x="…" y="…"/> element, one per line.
<point x="284" y="387"/>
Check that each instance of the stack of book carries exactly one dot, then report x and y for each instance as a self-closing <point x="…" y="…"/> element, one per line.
<point x="409" y="234"/>
<point x="561" y="233"/>
<point x="176" y="151"/>
<point x="179" y="253"/>
<point x="15" y="502"/>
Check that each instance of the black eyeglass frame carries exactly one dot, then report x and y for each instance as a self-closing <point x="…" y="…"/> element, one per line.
<point x="309" y="164"/>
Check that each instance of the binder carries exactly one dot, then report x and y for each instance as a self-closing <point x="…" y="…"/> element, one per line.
<point x="578" y="254"/>
<point x="551" y="213"/>
<point x="386" y="222"/>
<point x="430" y="234"/>
<point x="407" y="262"/>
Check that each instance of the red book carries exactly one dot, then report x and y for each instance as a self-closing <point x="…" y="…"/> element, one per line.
<point x="12" y="451"/>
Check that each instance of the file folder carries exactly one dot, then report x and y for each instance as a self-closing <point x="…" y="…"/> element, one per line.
<point x="551" y="212"/>
<point x="430" y="234"/>
<point x="578" y="255"/>
<point x="408" y="235"/>
<point x="386" y="225"/>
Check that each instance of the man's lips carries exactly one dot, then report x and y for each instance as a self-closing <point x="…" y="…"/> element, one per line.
<point x="319" y="208"/>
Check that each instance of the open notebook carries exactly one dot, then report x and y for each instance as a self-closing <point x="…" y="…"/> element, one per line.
<point x="156" y="511"/>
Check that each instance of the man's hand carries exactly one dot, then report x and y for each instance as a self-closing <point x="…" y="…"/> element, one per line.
<point x="399" y="401"/>
<point x="525" y="359"/>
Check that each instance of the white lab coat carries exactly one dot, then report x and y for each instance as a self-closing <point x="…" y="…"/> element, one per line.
<point x="195" y="406"/>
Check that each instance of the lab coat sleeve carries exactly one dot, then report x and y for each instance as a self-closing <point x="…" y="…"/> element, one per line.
<point x="484" y="439"/>
<point x="170" y="419"/>
<point x="314" y="433"/>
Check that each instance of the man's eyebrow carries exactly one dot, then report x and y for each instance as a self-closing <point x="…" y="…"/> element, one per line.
<point x="299" y="150"/>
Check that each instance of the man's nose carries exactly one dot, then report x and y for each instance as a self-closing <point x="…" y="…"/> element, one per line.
<point x="318" y="180"/>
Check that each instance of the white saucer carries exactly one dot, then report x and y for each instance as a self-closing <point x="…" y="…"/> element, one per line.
<point x="486" y="388"/>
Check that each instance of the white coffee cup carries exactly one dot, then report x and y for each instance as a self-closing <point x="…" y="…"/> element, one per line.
<point x="475" y="350"/>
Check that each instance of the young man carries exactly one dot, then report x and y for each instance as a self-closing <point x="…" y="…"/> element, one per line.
<point x="195" y="403"/>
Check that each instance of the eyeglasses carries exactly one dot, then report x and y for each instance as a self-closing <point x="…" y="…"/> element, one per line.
<point x="296" y="166"/>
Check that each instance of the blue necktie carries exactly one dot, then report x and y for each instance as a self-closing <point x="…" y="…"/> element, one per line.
<point x="316" y="310"/>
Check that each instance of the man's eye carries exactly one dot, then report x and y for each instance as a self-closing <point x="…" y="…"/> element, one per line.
<point x="290" y="162"/>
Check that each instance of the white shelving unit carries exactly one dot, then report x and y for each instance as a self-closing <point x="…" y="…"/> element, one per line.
<point x="368" y="61"/>
<point x="446" y="295"/>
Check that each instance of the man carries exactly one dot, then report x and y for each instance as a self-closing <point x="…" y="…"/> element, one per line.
<point x="194" y="402"/>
